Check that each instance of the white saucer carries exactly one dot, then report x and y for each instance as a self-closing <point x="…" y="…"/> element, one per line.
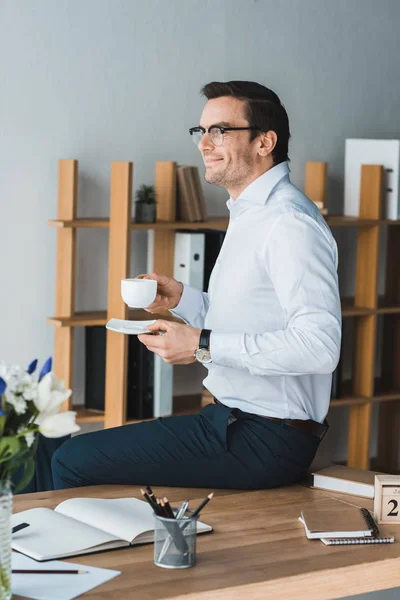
<point x="129" y="327"/>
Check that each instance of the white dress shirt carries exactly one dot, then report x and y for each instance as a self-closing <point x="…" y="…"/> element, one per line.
<point x="272" y="304"/>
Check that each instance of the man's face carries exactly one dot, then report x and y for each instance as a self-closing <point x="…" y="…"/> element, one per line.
<point x="228" y="165"/>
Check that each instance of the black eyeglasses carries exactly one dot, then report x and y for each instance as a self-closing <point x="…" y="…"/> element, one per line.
<point x="216" y="133"/>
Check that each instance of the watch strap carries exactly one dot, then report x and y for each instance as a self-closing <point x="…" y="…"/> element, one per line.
<point x="204" y="341"/>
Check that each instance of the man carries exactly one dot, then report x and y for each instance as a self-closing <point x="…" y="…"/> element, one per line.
<point x="268" y="330"/>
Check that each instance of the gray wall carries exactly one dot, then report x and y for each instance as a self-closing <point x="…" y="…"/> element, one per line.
<point x="103" y="80"/>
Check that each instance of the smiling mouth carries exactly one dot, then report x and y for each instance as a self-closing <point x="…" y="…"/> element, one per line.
<point x="212" y="161"/>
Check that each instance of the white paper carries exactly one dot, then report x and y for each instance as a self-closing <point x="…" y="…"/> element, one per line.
<point x="55" y="587"/>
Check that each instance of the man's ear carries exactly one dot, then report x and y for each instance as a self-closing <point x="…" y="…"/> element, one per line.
<point x="267" y="143"/>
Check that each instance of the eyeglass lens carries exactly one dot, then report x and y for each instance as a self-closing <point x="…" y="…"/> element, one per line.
<point x="216" y="135"/>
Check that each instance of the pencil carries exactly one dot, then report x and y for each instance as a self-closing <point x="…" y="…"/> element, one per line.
<point x="202" y="505"/>
<point x="151" y="494"/>
<point x="49" y="571"/>
<point x="154" y="505"/>
<point x="163" y="508"/>
<point x="168" y="507"/>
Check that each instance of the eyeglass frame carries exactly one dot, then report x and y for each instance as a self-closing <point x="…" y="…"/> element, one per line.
<point x="222" y="129"/>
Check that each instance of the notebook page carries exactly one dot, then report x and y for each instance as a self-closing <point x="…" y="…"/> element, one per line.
<point x="53" y="534"/>
<point x="125" y="518"/>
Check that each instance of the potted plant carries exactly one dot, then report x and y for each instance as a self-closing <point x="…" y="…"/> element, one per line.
<point x="145" y="210"/>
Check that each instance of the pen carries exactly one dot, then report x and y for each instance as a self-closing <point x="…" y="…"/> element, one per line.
<point x="49" y="571"/>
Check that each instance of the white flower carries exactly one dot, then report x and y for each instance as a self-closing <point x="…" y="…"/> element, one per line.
<point x="50" y="394"/>
<point x="18" y="402"/>
<point x="29" y="435"/>
<point x="28" y="387"/>
<point x="55" y="426"/>
<point x="8" y="372"/>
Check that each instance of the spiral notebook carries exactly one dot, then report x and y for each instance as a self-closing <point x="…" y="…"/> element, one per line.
<point x="364" y="540"/>
<point x="349" y="522"/>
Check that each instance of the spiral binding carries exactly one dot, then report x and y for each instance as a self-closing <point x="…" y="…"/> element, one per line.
<point x="371" y="540"/>
<point x="370" y="521"/>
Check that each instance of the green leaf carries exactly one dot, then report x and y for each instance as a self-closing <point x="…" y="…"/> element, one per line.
<point x="27" y="474"/>
<point x="3" y="419"/>
<point x="9" y="445"/>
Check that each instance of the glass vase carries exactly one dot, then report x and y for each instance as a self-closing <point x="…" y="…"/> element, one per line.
<point x="6" y="498"/>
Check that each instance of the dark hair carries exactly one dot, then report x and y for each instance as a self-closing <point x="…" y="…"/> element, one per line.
<point x="263" y="109"/>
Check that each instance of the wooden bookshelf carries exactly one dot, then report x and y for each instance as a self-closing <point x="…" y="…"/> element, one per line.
<point x="365" y="306"/>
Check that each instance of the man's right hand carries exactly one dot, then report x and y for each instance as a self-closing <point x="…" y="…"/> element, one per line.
<point x="169" y="292"/>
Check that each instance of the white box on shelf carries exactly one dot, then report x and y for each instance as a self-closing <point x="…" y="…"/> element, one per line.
<point x="163" y="387"/>
<point x="372" y="152"/>
<point x="189" y="258"/>
<point x="163" y="372"/>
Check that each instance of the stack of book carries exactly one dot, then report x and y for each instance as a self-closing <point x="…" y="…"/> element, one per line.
<point x="345" y="525"/>
<point x="346" y="480"/>
<point x="191" y="205"/>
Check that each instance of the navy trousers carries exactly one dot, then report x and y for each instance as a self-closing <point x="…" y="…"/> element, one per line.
<point x="42" y="480"/>
<point x="200" y="450"/>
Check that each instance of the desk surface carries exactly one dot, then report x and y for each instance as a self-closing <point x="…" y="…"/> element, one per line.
<point x="258" y="549"/>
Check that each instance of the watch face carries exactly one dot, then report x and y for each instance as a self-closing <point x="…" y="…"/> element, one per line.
<point x="203" y="355"/>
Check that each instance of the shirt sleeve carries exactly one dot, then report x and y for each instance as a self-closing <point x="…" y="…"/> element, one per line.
<point x="301" y="260"/>
<point x="192" y="307"/>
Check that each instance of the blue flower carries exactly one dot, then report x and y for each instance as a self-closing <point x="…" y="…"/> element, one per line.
<point x="46" y="368"/>
<point x="32" y="367"/>
<point x="3" y="386"/>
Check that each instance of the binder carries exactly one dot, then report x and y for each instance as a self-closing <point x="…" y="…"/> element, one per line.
<point x="189" y="258"/>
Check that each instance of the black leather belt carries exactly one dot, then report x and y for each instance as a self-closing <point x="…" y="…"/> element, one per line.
<point x="307" y="426"/>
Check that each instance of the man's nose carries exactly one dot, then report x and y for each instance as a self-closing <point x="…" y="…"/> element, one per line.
<point x="205" y="142"/>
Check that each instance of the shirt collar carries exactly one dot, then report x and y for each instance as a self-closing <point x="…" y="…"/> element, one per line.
<point x="260" y="189"/>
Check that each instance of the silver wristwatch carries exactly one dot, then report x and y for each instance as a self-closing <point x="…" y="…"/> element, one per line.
<point x="202" y="353"/>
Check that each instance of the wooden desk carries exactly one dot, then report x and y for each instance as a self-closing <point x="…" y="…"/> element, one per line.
<point x="257" y="551"/>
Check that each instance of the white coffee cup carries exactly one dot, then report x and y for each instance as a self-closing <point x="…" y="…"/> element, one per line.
<point x="138" y="293"/>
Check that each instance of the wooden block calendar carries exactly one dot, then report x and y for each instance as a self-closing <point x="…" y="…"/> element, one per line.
<point x="387" y="499"/>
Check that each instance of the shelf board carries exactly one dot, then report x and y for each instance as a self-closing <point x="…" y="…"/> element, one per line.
<point x="388" y="305"/>
<point x="390" y="221"/>
<point x="387" y="310"/>
<point x="99" y="317"/>
<point x="220" y="222"/>
<point x="349" y="401"/>
<point x="85" y="415"/>
<point x="344" y="221"/>
<point x="350" y="310"/>
<point x="211" y="223"/>
<point x="386" y="396"/>
<point x="81" y="222"/>
<point x="80" y="319"/>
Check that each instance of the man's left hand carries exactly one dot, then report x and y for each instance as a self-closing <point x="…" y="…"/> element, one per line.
<point x="176" y="346"/>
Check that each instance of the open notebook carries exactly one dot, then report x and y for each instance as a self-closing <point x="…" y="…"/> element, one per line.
<point x="85" y="525"/>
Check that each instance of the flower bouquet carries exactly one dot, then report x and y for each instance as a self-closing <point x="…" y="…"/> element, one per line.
<point x="28" y="405"/>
